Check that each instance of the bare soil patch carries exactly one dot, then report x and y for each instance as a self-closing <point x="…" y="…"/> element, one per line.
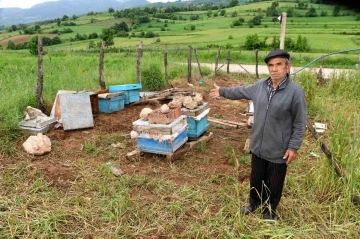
<point x="22" y="39"/>
<point x="93" y="146"/>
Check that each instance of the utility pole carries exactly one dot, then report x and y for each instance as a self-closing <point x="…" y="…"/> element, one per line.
<point x="283" y="27"/>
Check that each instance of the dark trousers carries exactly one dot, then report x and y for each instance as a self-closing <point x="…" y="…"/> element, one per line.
<point x="266" y="182"/>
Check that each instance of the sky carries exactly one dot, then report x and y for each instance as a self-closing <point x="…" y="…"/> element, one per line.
<point x="30" y="3"/>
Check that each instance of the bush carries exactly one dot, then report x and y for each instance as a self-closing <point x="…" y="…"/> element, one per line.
<point x="152" y="77"/>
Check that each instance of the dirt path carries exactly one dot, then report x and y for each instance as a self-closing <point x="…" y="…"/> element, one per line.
<point x="262" y="69"/>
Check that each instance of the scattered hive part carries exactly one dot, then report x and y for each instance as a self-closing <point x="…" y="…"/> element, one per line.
<point x="32" y="113"/>
<point x="180" y="98"/>
<point x="164" y="109"/>
<point x="198" y="98"/>
<point x="145" y="113"/>
<point x="156" y="117"/>
<point x="189" y="103"/>
<point x="175" y="103"/>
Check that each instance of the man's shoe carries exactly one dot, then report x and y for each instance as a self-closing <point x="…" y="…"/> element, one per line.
<point x="269" y="216"/>
<point x="247" y="210"/>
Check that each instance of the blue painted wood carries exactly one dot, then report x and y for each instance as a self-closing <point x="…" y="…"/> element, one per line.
<point x="164" y="147"/>
<point x="196" y="127"/>
<point x="132" y="96"/>
<point x="112" y="104"/>
<point x="132" y="92"/>
<point x="116" y="88"/>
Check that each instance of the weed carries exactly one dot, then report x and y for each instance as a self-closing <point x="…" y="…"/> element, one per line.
<point x="152" y="77"/>
<point x="218" y="116"/>
<point x="202" y="147"/>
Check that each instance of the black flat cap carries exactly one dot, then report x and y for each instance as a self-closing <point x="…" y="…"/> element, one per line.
<point x="277" y="53"/>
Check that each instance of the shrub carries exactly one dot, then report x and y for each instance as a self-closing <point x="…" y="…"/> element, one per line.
<point x="152" y="77"/>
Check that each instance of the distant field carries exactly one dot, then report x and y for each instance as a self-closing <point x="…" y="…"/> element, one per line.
<point x="324" y="34"/>
<point x="22" y="38"/>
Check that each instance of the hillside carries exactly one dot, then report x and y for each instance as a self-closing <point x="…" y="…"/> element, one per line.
<point x="209" y="26"/>
<point x="52" y="10"/>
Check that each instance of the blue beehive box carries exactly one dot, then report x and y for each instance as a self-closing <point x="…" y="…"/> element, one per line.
<point x="166" y="147"/>
<point x="109" y="105"/>
<point x="132" y="92"/>
<point x="196" y="127"/>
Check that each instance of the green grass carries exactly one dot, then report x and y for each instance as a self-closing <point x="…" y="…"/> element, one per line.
<point x="176" y="200"/>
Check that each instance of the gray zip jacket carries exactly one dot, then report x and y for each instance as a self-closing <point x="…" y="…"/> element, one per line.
<point x="278" y="125"/>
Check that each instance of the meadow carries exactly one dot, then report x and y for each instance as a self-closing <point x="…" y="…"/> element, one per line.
<point x="199" y="196"/>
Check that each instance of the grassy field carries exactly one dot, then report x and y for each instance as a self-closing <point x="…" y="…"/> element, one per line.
<point x="216" y="30"/>
<point x="200" y="196"/>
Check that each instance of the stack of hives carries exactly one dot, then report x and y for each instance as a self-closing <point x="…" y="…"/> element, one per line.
<point x="196" y="111"/>
<point x="160" y="131"/>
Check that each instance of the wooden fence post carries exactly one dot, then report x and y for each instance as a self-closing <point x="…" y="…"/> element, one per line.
<point x="283" y="28"/>
<point x="320" y="74"/>
<point x="101" y="66"/>
<point x="40" y="83"/>
<point x="228" y="59"/>
<point x="198" y="62"/>
<point x="217" y="60"/>
<point x="332" y="160"/>
<point x="189" y="63"/>
<point x="166" y="63"/>
<point x="138" y="65"/>
<point x="257" y="63"/>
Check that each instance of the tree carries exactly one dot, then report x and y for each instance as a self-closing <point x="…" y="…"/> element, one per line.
<point x="107" y="36"/>
<point x="302" y="5"/>
<point x="256" y="21"/>
<point x="253" y="42"/>
<point x="150" y="34"/>
<point x="65" y="18"/>
<point x="311" y="13"/>
<point x="91" y="45"/>
<point x="33" y="45"/>
<point x="120" y="27"/>
<point x="222" y="12"/>
<point x="290" y="12"/>
<point x="238" y="22"/>
<point x="275" y="43"/>
<point x="302" y="44"/>
<point x="111" y="10"/>
<point x="336" y="11"/>
<point x="13" y="28"/>
<point x="233" y="3"/>
<point x="272" y="10"/>
<point x="58" y="21"/>
<point x="11" y="45"/>
<point x="37" y="27"/>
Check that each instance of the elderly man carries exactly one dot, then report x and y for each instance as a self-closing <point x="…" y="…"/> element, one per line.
<point x="277" y="132"/>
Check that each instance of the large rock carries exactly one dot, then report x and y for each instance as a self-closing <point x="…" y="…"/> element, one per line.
<point x="37" y="145"/>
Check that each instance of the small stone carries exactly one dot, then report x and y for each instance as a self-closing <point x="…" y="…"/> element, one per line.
<point x="145" y="113"/>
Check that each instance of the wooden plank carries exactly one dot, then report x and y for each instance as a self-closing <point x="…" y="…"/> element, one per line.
<point x="110" y="95"/>
<point x="178" y="154"/>
<point x="228" y="122"/>
<point x="134" y="153"/>
<point x="173" y="127"/>
<point x="195" y="112"/>
<point x="222" y="123"/>
<point x="247" y="146"/>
